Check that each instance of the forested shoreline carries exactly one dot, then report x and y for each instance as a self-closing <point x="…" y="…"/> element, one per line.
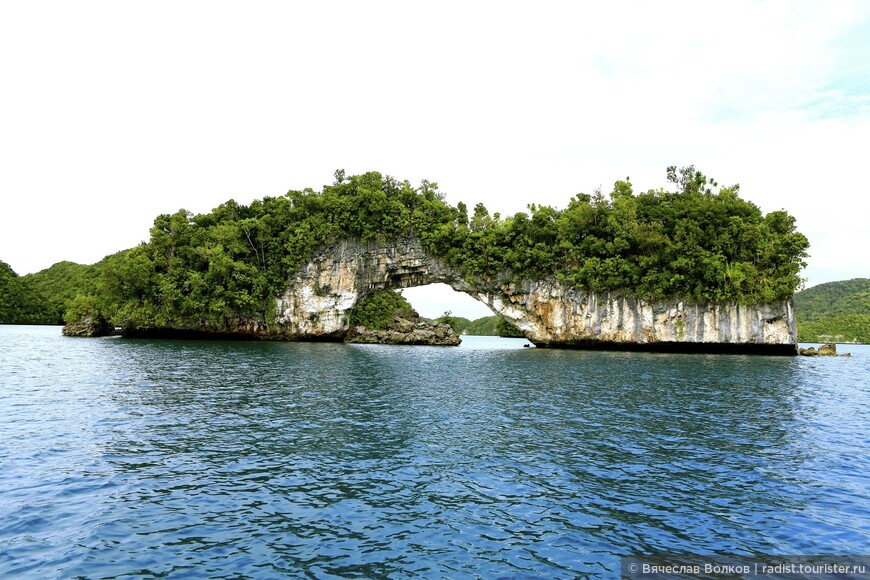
<point x="835" y="312"/>
<point x="699" y="241"/>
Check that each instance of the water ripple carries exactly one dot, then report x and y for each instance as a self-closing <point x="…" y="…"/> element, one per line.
<point x="184" y="458"/>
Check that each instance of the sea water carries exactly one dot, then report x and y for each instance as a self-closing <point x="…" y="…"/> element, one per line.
<point x="179" y="459"/>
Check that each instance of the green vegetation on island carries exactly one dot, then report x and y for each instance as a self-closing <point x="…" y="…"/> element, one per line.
<point x="482" y="326"/>
<point x="377" y="311"/>
<point x="699" y="242"/>
<point x="21" y="302"/>
<point x="62" y="283"/>
<point x="44" y="297"/>
<point x="486" y="326"/>
<point x="834" y="312"/>
<point x="458" y="323"/>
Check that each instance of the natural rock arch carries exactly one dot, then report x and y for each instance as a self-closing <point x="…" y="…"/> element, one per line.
<point x="320" y="295"/>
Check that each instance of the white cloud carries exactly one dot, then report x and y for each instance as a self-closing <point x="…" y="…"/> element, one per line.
<point x="434" y="300"/>
<point x="112" y="113"/>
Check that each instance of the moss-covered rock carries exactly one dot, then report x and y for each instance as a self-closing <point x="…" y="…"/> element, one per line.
<point x="828" y="349"/>
<point x="89" y="326"/>
<point x="405" y="331"/>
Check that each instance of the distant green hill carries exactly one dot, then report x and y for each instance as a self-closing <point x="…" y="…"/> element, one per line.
<point x="835" y="311"/>
<point x="486" y="326"/>
<point x="20" y="301"/>
<point x="43" y="297"/>
<point x="62" y="282"/>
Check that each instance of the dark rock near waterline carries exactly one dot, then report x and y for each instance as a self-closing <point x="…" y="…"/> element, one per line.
<point x="89" y="326"/>
<point x="828" y="349"/>
<point x="404" y="331"/>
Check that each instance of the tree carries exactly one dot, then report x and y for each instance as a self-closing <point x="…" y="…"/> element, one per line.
<point x="698" y="243"/>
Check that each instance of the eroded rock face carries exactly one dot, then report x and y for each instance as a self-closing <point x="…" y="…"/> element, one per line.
<point x="319" y="296"/>
<point x="552" y="315"/>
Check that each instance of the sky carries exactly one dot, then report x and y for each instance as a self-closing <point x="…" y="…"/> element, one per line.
<point x="112" y="113"/>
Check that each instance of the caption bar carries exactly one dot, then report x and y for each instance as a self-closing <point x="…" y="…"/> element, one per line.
<point x="761" y="567"/>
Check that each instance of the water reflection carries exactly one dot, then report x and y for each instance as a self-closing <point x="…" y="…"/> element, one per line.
<point x="275" y="458"/>
<point x="519" y="435"/>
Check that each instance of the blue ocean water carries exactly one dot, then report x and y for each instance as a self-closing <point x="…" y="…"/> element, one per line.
<point x="180" y="459"/>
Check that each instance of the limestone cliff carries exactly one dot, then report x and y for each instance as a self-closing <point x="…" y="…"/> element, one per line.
<point x="320" y="294"/>
<point x="552" y="315"/>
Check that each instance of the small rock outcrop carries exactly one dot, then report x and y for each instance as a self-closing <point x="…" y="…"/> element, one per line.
<point x="827" y="349"/>
<point x="89" y="326"/>
<point x="405" y="331"/>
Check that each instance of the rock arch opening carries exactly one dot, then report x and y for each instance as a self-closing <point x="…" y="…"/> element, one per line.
<point x="465" y="313"/>
<point x="433" y="300"/>
<point x="320" y="295"/>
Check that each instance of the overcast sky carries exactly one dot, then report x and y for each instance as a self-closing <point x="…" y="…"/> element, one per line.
<point x="114" y="112"/>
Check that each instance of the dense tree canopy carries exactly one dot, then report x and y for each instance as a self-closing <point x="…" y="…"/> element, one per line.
<point x="61" y="283"/>
<point x="699" y="242"/>
<point x="42" y="298"/>
<point x="485" y="326"/>
<point x="835" y="311"/>
<point x="833" y="299"/>
<point x="377" y="311"/>
<point x="20" y="301"/>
